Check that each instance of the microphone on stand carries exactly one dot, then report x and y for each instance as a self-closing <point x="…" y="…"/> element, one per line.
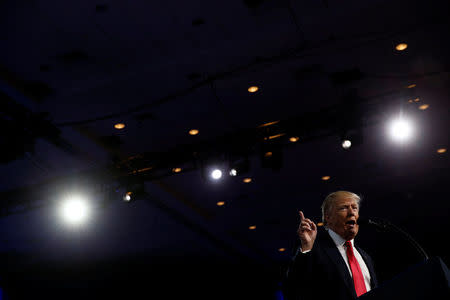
<point x="386" y="226"/>
<point x="382" y="225"/>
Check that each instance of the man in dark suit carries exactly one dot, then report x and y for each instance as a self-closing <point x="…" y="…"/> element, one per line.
<point x="328" y="265"/>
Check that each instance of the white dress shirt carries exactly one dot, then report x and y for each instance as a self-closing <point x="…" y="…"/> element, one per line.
<point x="339" y="241"/>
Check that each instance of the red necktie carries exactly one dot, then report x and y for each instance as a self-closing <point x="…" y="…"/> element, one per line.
<point x="358" y="278"/>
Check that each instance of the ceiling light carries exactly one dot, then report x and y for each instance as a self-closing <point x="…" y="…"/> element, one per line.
<point x="247" y="180"/>
<point x="253" y="89"/>
<point x="253" y="227"/>
<point x="216" y="174"/>
<point x="127" y="197"/>
<point x="268" y="154"/>
<point x="293" y="139"/>
<point x="346" y="144"/>
<point x="239" y="166"/>
<point x="401" y="46"/>
<point x="176" y="170"/>
<point x="193" y="131"/>
<point x="75" y="210"/>
<point x="325" y="178"/>
<point x="423" y="106"/>
<point x="119" y="126"/>
<point x="268" y="124"/>
<point x="282" y="249"/>
<point x="441" y="150"/>
<point x="275" y="136"/>
<point x="411" y="86"/>
<point x="416" y="100"/>
<point x="220" y="203"/>
<point x="400" y="129"/>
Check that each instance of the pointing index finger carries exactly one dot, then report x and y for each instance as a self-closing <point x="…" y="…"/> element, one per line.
<point x="302" y="217"/>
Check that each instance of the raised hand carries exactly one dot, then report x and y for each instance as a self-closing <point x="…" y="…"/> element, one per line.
<point x="307" y="232"/>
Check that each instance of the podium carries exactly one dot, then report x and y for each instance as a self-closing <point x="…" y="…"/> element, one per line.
<point x="427" y="280"/>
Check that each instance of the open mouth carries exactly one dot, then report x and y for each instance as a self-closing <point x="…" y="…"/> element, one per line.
<point x="351" y="222"/>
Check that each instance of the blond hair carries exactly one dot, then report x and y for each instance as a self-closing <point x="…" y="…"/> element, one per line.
<point x="329" y="201"/>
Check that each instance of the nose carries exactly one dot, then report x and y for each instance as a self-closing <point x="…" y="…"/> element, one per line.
<point x="353" y="211"/>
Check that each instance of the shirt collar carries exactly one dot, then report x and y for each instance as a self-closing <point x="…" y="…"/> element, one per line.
<point x="337" y="239"/>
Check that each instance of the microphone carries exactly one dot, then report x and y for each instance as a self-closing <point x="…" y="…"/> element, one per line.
<point x="371" y="222"/>
<point x="388" y="226"/>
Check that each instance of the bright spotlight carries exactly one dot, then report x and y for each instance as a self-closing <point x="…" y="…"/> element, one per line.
<point x="233" y="172"/>
<point x="216" y="174"/>
<point x="346" y="144"/>
<point x="401" y="129"/>
<point x="74" y="210"/>
<point x="127" y="197"/>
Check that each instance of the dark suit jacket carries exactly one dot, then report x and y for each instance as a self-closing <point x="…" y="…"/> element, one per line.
<point x="322" y="273"/>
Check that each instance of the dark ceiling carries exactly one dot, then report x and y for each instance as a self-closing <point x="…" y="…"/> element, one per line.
<point x="71" y="70"/>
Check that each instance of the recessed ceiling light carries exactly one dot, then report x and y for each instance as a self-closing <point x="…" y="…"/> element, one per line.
<point x="220" y="203"/>
<point x="416" y="100"/>
<point x="401" y="46"/>
<point x="253" y="227"/>
<point x="176" y="170"/>
<point x="247" y="180"/>
<point x="268" y="154"/>
<point x="411" y="86"/>
<point x="193" y="131"/>
<point x="325" y="178"/>
<point x="119" y="126"/>
<point x="293" y="139"/>
<point x="423" y="106"/>
<point x="253" y="89"/>
<point x="441" y="150"/>
<point x="282" y="249"/>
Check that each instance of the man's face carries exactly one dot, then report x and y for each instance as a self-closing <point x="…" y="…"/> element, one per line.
<point x="343" y="217"/>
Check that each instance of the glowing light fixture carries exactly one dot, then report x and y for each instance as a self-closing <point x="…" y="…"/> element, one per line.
<point x="220" y="203"/>
<point x="176" y="170"/>
<point x="253" y="89"/>
<point x="423" y="106"/>
<point x="193" y="131"/>
<point x="411" y="86"/>
<point x="268" y="154"/>
<point x="401" y="46"/>
<point x="247" y="180"/>
<point x="216" y="174"/>
<point x="282" y="249"/>
<point x="253" y="227"/>
<point x="400" y="129"/>
<point x="346" y="144"/>
<point x="441" y="150"/>
<point x="74" y="210"/>
<point x="233" y="172"/>
<point x="119" y="126"/>
<point x="127" y="197"/>
<point x="294" y="139"/>
<point x="325" y="178"/>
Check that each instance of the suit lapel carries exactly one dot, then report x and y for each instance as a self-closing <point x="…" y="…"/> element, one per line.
<point x="373" y="278"/>
<point x="336" y="257"/>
